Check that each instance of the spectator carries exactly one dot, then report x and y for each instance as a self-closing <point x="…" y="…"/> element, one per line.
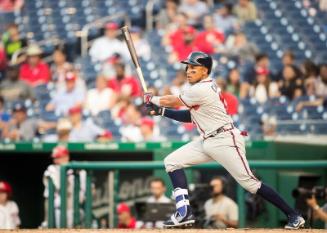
<point x="12" y="40"/>
<point x="125" y="218"/>
<point x="210" y="38"/>
<point x="11" y="5"/>
<point x="61" y="156"/>
<point x="166" y="15"/>
<point x="310" y="74"/>
<point x="141" y="44"/>
<point x="321" y="82"/>
<point x="230" y="101"/>
<point x="59" y="68"/>
<point x="119" y="109"/>
<point x="183" y="48"/>
<point x="323" y="5"/>
<point x="263" y="88"/>
<point x="3" y="61"/>
<point x="12" y="89"/>
<point x="194" y="9"/>
<point x="71" y="96"/>
<point x="316" y="102"/>
<point x="175" y="31"/>
<point x="224" y="19"/>
<point x="233" y="82"/>
<point x="9" y="212"/>
<point x="20" y="127"/>
<point x="131" y="131"/>
<point x="291" y="85"/>
<point x="4" y="116"/>
<point x="288" y="58"/>
<point x="35" y="71"/>
<point x="245" y="11"/>
<point x="147" y="130"/>
<point x="63" y="129"/>
<point x="178" y="82"/>
<point x="106" y="136"/>
<point x="158" y="189"/>
<point x="239" y="46"/>
<point x="220" y="210"/>
<point x="318" y="212"/>
<point x="107" y="45"/>
<point x="101" y="97"/>
<point x="122" y="84"/>
<point x="82" y="130"/>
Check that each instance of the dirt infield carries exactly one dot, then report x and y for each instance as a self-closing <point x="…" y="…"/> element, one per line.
<point x="163" y="231"/>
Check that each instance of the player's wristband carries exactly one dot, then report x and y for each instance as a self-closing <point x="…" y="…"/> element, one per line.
<point x="163" y="111"/>
<point x="155" y="100"/>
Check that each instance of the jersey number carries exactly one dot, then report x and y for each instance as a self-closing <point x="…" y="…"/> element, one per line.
<point x="222" y="99"/>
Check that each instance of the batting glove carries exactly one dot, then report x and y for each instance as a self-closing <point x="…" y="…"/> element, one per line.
<point x="154" y="110"/>
<point x="147" y="98"/>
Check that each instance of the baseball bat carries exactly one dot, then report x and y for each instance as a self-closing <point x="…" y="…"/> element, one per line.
<point x="132" y="51"/>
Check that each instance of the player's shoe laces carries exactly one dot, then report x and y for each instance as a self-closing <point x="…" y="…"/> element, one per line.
<point x="295" y="222"/>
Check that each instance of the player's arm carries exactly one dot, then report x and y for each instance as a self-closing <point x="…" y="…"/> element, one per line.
<point x="169" y="101"/>
<point x="178" y="115"/>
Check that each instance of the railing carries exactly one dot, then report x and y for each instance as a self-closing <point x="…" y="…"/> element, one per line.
<point x="96" y="24"/>
<point x="115" y="167"/>
<point x="149" y="14"/>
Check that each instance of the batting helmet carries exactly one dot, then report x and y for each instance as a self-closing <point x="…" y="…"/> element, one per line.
<point x="199" y="59"/>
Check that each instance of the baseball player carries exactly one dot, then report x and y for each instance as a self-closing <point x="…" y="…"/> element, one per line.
<point x="220" y="141"/>
<point x="61" y="156"/>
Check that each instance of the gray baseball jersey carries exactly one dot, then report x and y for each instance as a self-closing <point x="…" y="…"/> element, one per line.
<point x="207" y="107"/>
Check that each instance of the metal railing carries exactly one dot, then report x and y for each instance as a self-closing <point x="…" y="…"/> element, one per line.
<point x="97" y="24"/>
<point x="115" y="167"/>
<point x="149" y="14"/>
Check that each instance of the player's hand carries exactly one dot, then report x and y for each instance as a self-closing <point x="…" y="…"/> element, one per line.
<point x="147" y="98"/>
<point x="154" y="110"/>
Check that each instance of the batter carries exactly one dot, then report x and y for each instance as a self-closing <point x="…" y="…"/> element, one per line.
<point x="220" y="141"/>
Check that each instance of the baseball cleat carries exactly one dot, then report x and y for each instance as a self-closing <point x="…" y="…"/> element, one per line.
<point x="176" y="221"/>
<point x="295" y="222"/>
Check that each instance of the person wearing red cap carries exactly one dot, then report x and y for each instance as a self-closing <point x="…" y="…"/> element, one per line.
<point x="107" y="45"/>
<point x="9" y="212"/>
<point x="60" y="156"/>
<point x="263" y="88"/>
<point x="147" y="130"/>
<point x="125" y="218"/>
<point x="73" y="95"/>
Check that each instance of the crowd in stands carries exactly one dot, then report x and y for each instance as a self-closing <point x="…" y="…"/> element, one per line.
<point x="50" y="101"/>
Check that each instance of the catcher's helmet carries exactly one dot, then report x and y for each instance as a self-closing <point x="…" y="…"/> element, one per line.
<point x="199" y="59"/>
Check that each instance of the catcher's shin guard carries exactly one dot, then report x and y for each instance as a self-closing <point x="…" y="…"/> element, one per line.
<point x="183" y="217"/>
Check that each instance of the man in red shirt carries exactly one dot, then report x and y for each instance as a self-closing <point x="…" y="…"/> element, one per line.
<point x="125" y="218"/>
<point x="35" y="71"/>
<point x="211" y="38"/>
<point x="186" y="45"/>
<point x="124" y="85"/>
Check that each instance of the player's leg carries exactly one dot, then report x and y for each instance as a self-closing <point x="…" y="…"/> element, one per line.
<point x="229" y="151"/>
<point x="187" y="155"/>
